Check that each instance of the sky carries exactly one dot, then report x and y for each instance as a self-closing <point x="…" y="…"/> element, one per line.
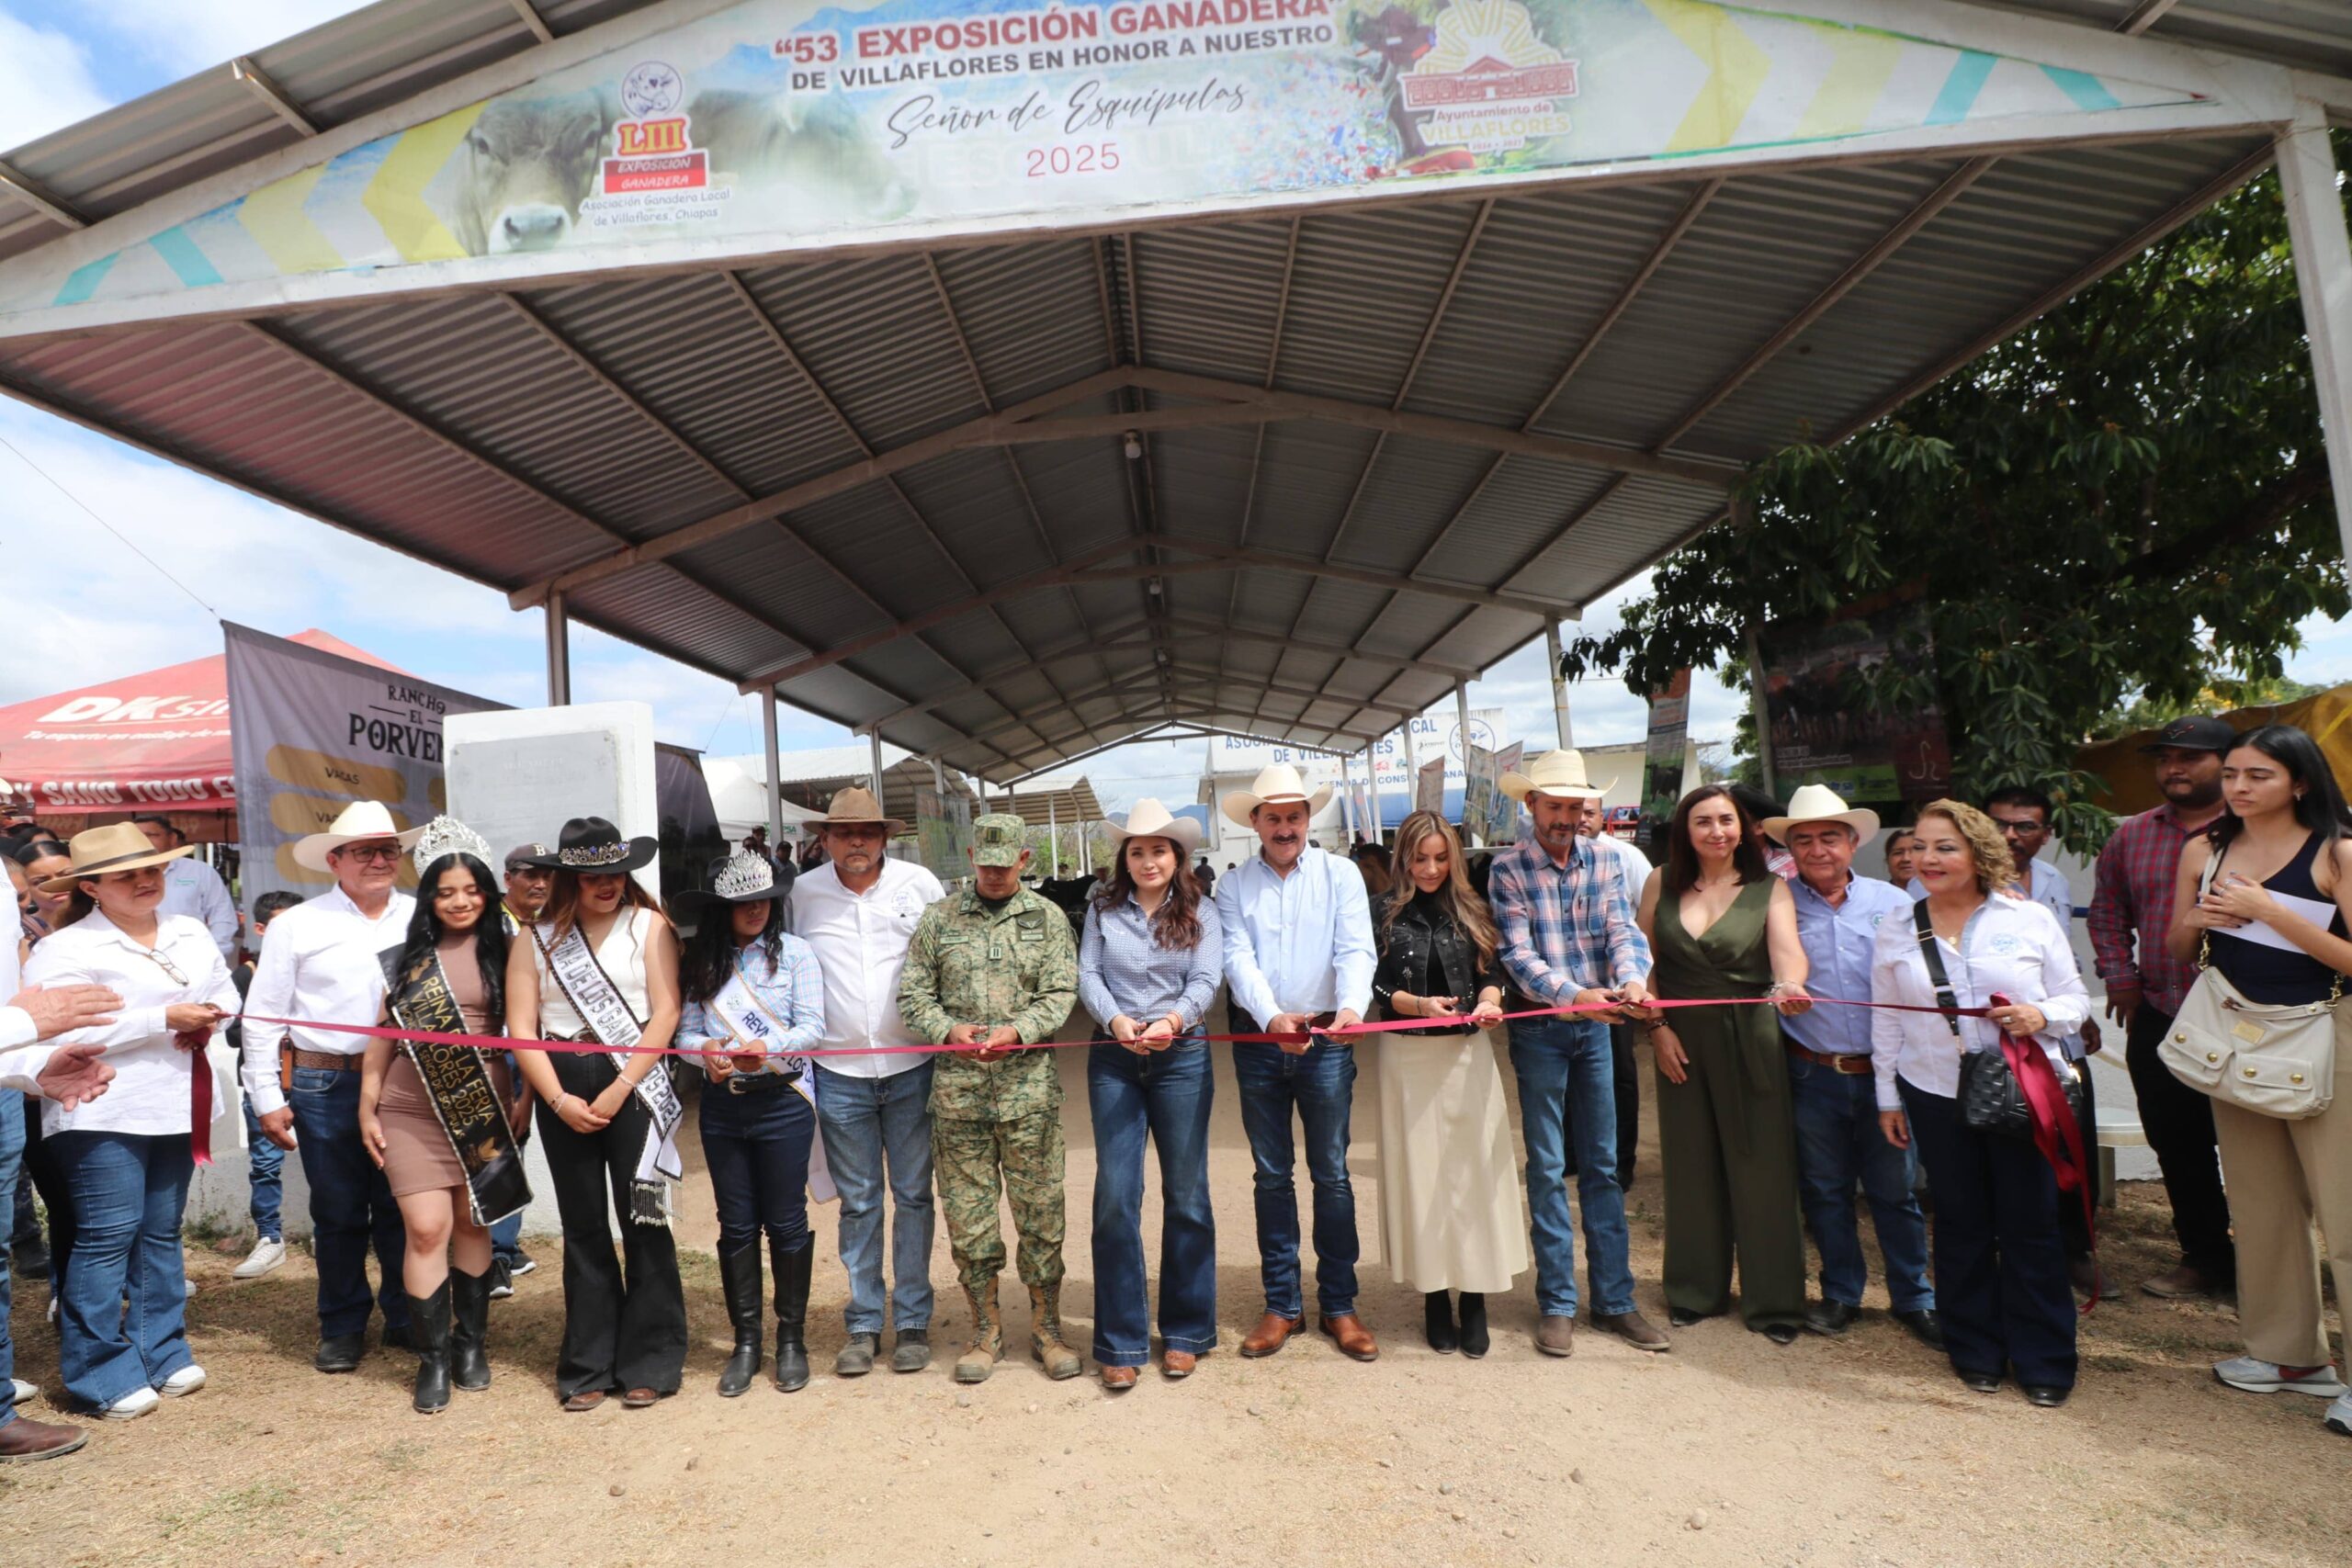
<point x="87" y="509"/>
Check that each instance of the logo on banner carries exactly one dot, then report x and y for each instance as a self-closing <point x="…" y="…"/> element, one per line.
<point x="1487" y="82"/>
<point x="654" y="173"/>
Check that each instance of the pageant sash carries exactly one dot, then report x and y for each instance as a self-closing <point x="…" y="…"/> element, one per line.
<point x="756" y="1028"/>
<point x="458" y="1086"/>
<point x="598" y="1002"/>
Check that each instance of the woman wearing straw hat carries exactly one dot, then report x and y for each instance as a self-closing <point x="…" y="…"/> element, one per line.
<point x="601" y="969"/>
<point x="754" y="1002"/>
<point x="128" y="1158"/>
<point x="1147" y="970"/>
<point x="1450" y="1217"/>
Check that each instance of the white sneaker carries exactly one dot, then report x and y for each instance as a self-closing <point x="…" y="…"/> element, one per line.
<point x="2339" y="1414"/>
<point x="2257" y="1376"/>
<point x="135" y="1404"/>
<point x="187" y="1379"/>
<point x="22" y="1392"/>
<point x="266" y="1255"/>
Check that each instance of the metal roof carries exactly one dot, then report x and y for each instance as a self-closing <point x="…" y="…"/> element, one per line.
<point x="1378" y="445"/>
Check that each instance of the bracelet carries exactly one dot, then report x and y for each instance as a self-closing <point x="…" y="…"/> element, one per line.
<point x="1781" y="989"/>
<point x="558" y="1106"/>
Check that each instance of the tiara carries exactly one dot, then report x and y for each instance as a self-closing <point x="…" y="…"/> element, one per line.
<point x="743" y="873"/>
<point x="447" y="836"/>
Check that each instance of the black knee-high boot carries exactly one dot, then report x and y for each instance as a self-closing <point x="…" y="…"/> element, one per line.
<point x="469" y="1327"/>
<point x="430" y="1317"/>
<point x="739" y="1275"/>
<point x="792" y="1313"/>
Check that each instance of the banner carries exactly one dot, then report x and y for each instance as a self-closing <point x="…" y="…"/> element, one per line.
<point x="942" y="834"/>
<point x="1488" y="815"/>
<point x="1670" y="744"/>
<point x="781" y="123"/>
<point x="315" y="732"/>
<point x="1428" y="790"/>
<point x="1822" y="729"/>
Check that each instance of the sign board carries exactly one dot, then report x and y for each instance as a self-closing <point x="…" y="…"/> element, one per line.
<point x="1428" y="790"/>
<point x="516" y="777"/>
<point x="1823" y="733"/>
<point x="1663" y="759"/>
<point x="942" y="834"/>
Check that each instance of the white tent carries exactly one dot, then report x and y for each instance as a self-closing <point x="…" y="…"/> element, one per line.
<point x="741" y="798"/>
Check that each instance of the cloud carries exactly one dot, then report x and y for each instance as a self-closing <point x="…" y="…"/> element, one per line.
<point x="45" y="82"/>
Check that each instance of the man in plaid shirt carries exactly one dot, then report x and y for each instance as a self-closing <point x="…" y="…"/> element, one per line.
<point x="1569" y="939"/>
<point x="2144" y="990"/>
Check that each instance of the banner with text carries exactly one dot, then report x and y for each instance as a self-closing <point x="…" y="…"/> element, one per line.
<point x="1669" y="741"/>
<point x="1825" y="732"/>
<point x="315" y="732"/>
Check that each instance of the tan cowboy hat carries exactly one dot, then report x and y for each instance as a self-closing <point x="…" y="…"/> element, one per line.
<point x="360" y="820"/>
<point x="1819" y="802"/>
<point x="856" y="806"/>
<point x="119" y="846"/>
<point x="1147" y="819"/>
<point x="1278" y="784"/>
<point x="1559" y="773"/>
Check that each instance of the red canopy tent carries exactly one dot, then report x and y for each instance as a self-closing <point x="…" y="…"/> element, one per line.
<point x="153" y="742"/>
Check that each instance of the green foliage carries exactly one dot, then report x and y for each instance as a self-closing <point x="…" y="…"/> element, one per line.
<point x="2128" y="501"/>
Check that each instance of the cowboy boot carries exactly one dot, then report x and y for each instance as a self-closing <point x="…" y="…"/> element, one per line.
<point x="739" y="1279"/>
<point x="468" y="1326"/>
<point x="429" y="1315"/>
<point x="791" y="1312"/>
<point x="1046" y="1345"/>
<point x="987" y="1347"/>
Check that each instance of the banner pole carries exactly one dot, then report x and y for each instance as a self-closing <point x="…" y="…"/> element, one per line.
<point x="775" y="767"/>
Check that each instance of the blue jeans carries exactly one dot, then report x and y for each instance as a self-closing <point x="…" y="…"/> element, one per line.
<point x="350" y="1205"/>
<point x="25" y="1228"/>
<point x="1839" y="1144"/>
<point x="1165" y="1096"/>
<point x="265" y="1168"/>
<point x="13" y="1109"/>
<point x="128" y="1192"/>
<point x="1567" y="1088"/>
<point x="878" y="1130"/>
<point x="757" y="1148"/>
<point x="1321" y="1084"/>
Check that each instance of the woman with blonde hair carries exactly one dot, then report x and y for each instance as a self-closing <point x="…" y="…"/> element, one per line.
<point x="1450" y="1214"/>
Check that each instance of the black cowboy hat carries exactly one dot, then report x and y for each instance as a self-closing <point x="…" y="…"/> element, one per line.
<point x="592" y="844"/>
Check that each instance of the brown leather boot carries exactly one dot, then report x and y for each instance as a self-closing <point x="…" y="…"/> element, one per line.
<point x="987" y="1348"/>
<point x="1273" y="1331"/>
<point x="24" y="1439"/>
<point x="1046" y="1345"/>
<point x="1348" y="1332"/>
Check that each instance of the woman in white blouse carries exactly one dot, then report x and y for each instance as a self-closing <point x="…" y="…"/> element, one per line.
<point x="128" y="1158"/>
<point x="2000" y="1262"/>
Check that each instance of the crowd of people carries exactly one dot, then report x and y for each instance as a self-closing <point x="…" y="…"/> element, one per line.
<point x="1820" y="1038"/>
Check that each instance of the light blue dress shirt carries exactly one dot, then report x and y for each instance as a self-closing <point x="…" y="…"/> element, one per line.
<point x="1122" y="968"/>
<point x="1297" y="944"/>
<point x="1837" y="945"/>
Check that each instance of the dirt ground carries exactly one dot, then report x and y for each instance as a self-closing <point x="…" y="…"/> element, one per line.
<point x="1727" y="1450"/>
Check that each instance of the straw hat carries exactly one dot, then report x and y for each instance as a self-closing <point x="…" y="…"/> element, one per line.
<point x="1558" y="773"/>
<point x="119" y="846"/>
<point x="1276" y="786"/>
<point x="1147" y="819"/>
<point x="1819" y="802"/>
<point x="856" y="807"/>
<point x="360" y="820"/>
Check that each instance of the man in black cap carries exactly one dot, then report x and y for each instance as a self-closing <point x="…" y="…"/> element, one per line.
<point x="2133" y="900"/>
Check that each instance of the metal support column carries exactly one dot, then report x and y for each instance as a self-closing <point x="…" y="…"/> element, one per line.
<point x="775" y="767"/>
<point x="1348" y="800"/>
<point x="560" y="653"/>
<point x="1052" y="838"/>
<point x="1412" y="771"/>
<point x="1559" y="683"/>
<point x="1372" y="777"/>
<point x="874" y="741"/>
<point x="2315" y="230"/>
<point x="1462" y="738"/>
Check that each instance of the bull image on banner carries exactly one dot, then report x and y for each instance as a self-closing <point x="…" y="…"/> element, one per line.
<point x="315" y="732"/>
<point x="1825" y="732"/>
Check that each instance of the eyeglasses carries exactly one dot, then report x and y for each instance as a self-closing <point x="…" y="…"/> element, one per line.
<point x="166" y="966"/>
<point x="366" y="854"/>
<point x="2010" y="827"/>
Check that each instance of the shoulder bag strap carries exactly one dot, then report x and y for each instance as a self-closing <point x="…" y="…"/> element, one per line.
<point x="2205" y="885"/>
<point x="1924" y="926"/>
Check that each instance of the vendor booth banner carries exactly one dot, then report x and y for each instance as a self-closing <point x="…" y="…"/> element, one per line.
<point x="315" y="732"/>
<point x="779" y="123"/>
<point x="1825" y="732"/>
<point x="1662" y="757"/>
<point x="942" y="833"/>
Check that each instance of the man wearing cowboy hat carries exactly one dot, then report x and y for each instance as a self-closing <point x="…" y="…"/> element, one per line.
<point x="320" y="965"/>
<point x="1834" y="1095"/>
<point x="859" y="912"/>
<point x="1297" y="930"/>
<point x="1569" y="939"/>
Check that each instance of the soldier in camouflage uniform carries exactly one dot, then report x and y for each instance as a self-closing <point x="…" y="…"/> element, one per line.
<point x="993" y="967"/>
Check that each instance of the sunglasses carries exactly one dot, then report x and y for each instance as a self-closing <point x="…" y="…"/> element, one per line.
<point x="372" y="854"/>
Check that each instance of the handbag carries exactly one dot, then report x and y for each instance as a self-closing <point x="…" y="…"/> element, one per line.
<point x="2274" y="1059"/>
<point x="1992" y="1101"/>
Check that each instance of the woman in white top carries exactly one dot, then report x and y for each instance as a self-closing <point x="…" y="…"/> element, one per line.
<point x="2002" y="1288"/>
<point x="602" y="968"/>
<point x="126" y="1158"/>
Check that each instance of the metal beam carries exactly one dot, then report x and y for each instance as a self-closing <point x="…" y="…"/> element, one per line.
<point x="1085" y="647"/>
<point x="1274" y="560"/>
<point x="37" y="197"/>
<point x="259" y="83"/>
<point x="2146" y="15"/>
<point x="1311" y="693"/>
<point x="1335" y="650"/>
<point x="533" y="20"/>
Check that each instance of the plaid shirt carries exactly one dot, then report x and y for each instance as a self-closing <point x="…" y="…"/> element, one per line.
<point x="2133" y="897"/>
<point x="1565" y="927"/>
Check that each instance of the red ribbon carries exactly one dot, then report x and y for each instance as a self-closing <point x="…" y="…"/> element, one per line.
<point x="199" y="1092"/>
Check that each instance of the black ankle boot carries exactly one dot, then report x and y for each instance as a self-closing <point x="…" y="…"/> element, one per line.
<point x="1474" y="1324"/>
<point x="468" y="1326"/>
<point x="428" y="1319"/>
<point x="739" y="1277"/>
<point x="792" y="1313"/>
<point x="1436" y="1315"/>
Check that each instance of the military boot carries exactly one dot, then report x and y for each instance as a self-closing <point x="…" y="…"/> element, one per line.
<point x="1046" y="1334"/>
<point x="987" y="1347"/>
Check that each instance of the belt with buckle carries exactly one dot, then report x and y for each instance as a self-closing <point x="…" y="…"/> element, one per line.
<point x="329" y="1061"/>
<point x="1853" y="1064"/>
<point x="759" y="1083"/>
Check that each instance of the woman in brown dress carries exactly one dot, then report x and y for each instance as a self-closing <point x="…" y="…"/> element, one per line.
<point x="446" y="978"/>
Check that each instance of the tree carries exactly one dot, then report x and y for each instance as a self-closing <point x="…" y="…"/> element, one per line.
<point x="2129" y="499"/>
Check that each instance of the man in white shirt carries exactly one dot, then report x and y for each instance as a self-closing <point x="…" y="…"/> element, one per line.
<point x="859" y="911"/>
<point x="320" y="965"/>
<point x="192" y="887"/>
<point x="1298" y="952"/>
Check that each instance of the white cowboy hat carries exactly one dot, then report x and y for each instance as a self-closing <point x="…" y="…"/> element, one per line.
<point x="1819" y="802"/>
<point x="360" y="820"/>
<point x="1147" y="819"/>
<point x="1557" y="773"/>
<point x="1278" y="784"/>
<point x="119" y="846"/>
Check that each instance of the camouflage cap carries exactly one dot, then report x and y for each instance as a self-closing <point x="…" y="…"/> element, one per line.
<point x="996" y="840"/>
